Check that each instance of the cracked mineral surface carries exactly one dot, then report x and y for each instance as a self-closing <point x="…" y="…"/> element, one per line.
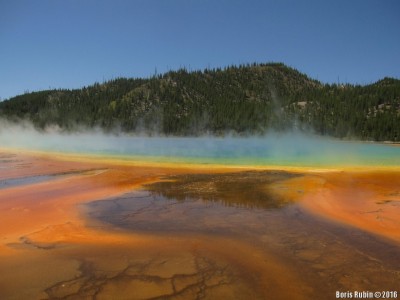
<point x="79" y="228"/>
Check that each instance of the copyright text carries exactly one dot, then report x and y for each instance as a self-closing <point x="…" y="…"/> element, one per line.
<point x="366" y="295"/>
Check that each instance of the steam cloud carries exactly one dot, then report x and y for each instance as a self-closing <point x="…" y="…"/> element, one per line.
<point x="272" y="149"/>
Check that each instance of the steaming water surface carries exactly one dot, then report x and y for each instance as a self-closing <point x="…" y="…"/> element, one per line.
<point x="284" y="150"/>
<point x="124" y="231"/>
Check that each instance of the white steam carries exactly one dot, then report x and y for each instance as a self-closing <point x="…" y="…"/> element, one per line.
<point x="271" y="149"/>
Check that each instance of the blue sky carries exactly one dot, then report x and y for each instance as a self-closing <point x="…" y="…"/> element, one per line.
<point x="70" y="44"/>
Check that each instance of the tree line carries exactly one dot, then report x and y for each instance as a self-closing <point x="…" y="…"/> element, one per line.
<point x="244" y="99"/>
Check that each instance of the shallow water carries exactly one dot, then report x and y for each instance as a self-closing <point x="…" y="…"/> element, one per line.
<point x="320" y="256"/>
<point x="270" y="150"/>
<point x="131" y="232"/>
<point x="13" y="182"/>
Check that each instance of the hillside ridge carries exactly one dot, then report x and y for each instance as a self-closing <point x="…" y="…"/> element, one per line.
<point x="245" y="99"/>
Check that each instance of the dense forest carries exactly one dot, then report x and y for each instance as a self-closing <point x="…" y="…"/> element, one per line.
<point x="245" y="99"/>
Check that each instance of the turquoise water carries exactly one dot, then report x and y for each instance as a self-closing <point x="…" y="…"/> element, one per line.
<point x="286" y="150"/>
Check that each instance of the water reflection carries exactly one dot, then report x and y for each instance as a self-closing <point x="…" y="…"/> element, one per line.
<point x="222" y="236"/>
<point x="245" y="208"/>
<point x="203" y="203"/>
<point x="249" y="189"/>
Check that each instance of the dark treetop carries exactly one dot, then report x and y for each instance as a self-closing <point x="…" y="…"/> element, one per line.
<point x="245" y="99"/>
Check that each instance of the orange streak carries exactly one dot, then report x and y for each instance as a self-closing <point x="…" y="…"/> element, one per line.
<point x="366" y="200"/>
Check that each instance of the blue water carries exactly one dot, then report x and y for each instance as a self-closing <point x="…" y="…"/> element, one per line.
<point x="287" y="150"/>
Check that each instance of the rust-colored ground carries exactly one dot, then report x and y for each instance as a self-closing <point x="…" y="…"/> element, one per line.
<point x="369" y="200"/>
<point x="49" y="249"/>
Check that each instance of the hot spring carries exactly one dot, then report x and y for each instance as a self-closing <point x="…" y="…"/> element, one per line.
<point x="271" y="150"/>
<point x="142" y="220"/>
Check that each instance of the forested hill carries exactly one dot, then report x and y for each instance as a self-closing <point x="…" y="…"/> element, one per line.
<point x="246" y="99"/>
